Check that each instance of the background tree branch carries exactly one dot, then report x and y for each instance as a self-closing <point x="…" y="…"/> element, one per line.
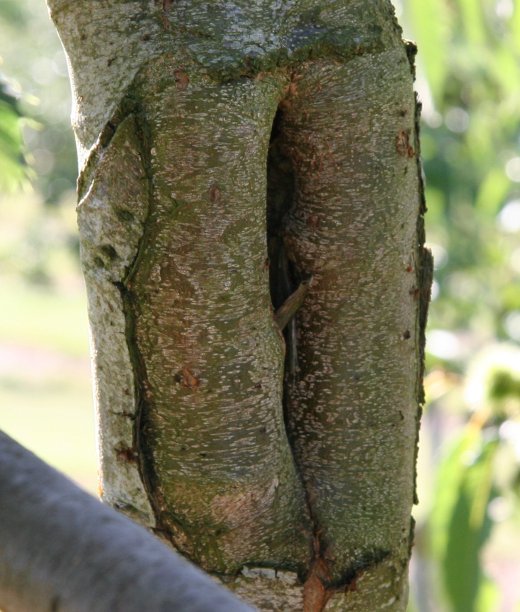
<point x="63" y="550"/>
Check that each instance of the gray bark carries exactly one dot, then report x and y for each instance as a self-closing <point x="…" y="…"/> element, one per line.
<point x="62" y="550"/>
<point x="230" y="152"/>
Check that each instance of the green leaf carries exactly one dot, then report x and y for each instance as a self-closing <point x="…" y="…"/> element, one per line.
<point x="460" y="524"/>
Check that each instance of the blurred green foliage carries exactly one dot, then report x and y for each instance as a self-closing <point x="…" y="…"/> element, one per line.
<point x="45" y="391"/>
<point x="469" y="52"/>
<point x="38" y="236"/>
<point x="468" y="530"/>
<point x="460" y="522"/>
<point x="12" y="161"/>
<point x="469" y="84"/>
<point x="32" y="59"/>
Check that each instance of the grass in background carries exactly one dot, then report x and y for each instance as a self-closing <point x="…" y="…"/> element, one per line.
<point x="45" y="388"/>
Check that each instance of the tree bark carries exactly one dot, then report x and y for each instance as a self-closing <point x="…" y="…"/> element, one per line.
<point x="236" y="159"/>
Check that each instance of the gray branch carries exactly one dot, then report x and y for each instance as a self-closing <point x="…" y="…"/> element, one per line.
<point x="62" y="550"/>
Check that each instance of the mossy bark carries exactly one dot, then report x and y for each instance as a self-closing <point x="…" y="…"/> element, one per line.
<point x="236" y="159"/>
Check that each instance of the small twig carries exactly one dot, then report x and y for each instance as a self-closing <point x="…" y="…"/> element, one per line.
<point x="292" y="304"/>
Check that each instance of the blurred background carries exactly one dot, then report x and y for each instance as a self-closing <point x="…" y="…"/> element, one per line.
<point x="467" y="550"/>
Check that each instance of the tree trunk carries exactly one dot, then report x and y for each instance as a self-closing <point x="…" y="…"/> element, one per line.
<point x="241" y="161"/>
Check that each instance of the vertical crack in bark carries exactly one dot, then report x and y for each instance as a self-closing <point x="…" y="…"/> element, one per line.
<point x="282" y="277"/>
<point x="139" y="368"/>
<point x="284" y="281"/>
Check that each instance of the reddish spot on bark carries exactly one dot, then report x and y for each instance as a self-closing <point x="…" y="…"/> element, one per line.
<point x="315" y="594"/>
<point x="188" y="379"/>
<point x="214" y="194"/>
<point x="165" y="22"/>
<point x="414" y="293"/>
<point x="402" y="144"/>
<point x="409" y="268"/>
<point x="181" y="79"/>
<point x="266" y="263"/>
<point x="292" y="89"/>
<point x="313" y="221"/>
<point x="127" y="454"/>
<point x="316" y="162"/>
<point x="352" y="585"/>
<point x="166" y="5"/>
